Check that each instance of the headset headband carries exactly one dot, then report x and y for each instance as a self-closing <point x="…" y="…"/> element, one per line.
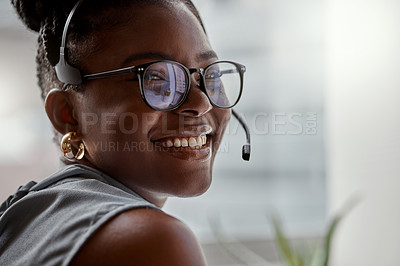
<point x="65" y="72"/>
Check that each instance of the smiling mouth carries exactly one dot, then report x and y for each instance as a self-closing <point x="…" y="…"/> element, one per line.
<point x="188" y="147"/>
<point x="194" y="142"/>
<point x="193" y="137"/>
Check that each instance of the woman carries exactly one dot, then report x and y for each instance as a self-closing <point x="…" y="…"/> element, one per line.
<point x="139" y="104"/>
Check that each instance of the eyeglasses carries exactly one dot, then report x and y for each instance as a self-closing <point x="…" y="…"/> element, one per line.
<point x="165" y="85"/>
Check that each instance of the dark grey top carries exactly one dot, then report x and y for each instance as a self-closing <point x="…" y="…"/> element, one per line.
<point x="49" y="224"/>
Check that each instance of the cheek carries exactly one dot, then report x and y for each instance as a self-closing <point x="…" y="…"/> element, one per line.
<point x="118" y="141"/>
<point x="112" y="95"/>
<point x="118" y="125"/>
<point x="112" y="109"/>
<point x="222" y="117"/>
<point x="135" y="125"/>
<point x="111" y="129"/>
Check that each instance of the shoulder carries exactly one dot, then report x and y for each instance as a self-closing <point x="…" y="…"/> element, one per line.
<point x="143" y="237"/>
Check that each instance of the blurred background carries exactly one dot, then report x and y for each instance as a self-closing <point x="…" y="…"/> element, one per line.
<point x="321" y="100"/>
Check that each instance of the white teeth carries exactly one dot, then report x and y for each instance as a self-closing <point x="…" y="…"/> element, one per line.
<point x="204" y="139"/>
<point x="192" y="142"/>
<point x="199" y="140"/>
<point x="177" y="143"/>
<point x="184" y="142"/>
<point x="169" y="144"/>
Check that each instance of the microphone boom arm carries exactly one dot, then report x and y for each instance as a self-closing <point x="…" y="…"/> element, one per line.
<point x="246" y="147"/>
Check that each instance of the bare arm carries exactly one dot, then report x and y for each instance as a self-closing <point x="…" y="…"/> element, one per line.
<point x="143" y="237"/>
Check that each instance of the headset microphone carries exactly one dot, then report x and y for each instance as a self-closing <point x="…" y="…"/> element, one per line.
<point x="246" y="147"/>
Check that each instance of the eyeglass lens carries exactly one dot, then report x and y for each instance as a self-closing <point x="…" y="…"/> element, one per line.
<point x="223" y="82"/>
<point x="165" y="84"/>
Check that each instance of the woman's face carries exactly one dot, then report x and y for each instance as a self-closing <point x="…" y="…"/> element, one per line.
<point x="123" y="136"/>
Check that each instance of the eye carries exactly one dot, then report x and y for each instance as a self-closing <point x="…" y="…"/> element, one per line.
<point x="155" y="76"/>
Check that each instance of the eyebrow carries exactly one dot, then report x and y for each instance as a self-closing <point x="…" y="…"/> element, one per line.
<point x="147" y="55"/>
<point x="162" y="56"/>
<point x="206" y="55"/>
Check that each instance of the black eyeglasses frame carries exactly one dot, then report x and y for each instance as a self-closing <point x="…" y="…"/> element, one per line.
<point x="139" y="70"/>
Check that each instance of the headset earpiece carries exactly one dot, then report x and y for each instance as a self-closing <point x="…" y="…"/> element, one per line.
<point x="65" y="72"/>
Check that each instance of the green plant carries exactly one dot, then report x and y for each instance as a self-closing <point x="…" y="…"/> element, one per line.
<point x="319" y="255"/>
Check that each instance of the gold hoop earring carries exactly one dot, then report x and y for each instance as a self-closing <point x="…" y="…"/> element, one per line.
<point x="66" y="147"/>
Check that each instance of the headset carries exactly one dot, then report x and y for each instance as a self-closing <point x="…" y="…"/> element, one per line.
<point x="72" y="75"/>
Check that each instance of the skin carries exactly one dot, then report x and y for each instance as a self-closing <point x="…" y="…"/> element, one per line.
<point x="143" y="236"/>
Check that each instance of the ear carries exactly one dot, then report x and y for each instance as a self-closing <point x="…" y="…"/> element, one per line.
<point x="59" y="109"/>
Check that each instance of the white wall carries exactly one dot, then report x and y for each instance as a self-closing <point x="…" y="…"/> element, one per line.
<point x="363" y="108"/>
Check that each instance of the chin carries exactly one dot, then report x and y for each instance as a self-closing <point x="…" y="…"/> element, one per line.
<point x="194" y="186"/>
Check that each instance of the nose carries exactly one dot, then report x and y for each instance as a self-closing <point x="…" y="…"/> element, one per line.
<point x="197" y="102"/>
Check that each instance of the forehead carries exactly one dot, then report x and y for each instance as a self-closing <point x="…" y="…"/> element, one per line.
<point x="170" y="30"/>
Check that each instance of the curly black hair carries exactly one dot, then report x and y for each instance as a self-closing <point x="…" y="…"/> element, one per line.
<point x="47" y="17"/>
